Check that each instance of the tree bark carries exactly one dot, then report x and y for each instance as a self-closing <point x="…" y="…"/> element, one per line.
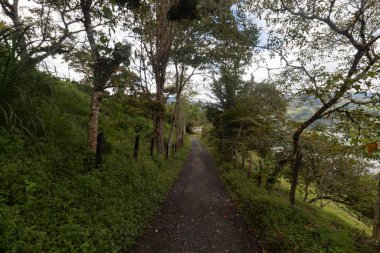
<point x="236" y="160"/>
<point x="296" y="168"/>
<point x="93" y="125"/>
<point x="174" y="124"/>
<point x="136" y="147"/>
<point x="306" y="191"/>
<point x="314" y="200"/>
<point x="151" y="147"/>
<point x="12" y="11"/>
<point x="243" y="162"/>
<point x="259" y="176"/>
<point x="179" y="127"/>
<point x="164" y="34"/>
<point x="249" y="168"/>
<point x="273" y="176"/>
<point x="376" y="223"/>
<point x="99" y="149"/>
<point x="159" y="117"/>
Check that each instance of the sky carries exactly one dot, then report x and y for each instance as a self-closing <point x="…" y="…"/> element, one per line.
<point x="258" y="68"/>
<point x="57" y="66"/>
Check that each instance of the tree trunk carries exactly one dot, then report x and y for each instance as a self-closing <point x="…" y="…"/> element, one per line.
<point x="296" y="168"/>
<point x="12" y="11"/>
<point x="159" y="118"/>
<point x="273" y="176"/>
<point x="249" y="168"/>
<point x="306" y="191"/>
<point x="164" y="31"/>
<point x="152" y="147"/>
<point x="259" y="176"/>
<point x="93" y="125"/>
<point x="243" y="162"/>
<point x="136" y="147"/>
<point x="169" y="141"/>
<point x="376" y="223"/>
<point x="178" y="129"/>
<point x="183" y="127"/>
<point x="236" y="160"/>
<point x="99" y="149"/>
<point x="173" y="125"/>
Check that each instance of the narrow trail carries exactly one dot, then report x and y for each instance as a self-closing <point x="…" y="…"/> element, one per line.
<point x="198" y="215"/>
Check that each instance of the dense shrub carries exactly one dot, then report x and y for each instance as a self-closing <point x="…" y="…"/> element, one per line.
<point x="52" y="200"/>
<point x="283" y="228"/>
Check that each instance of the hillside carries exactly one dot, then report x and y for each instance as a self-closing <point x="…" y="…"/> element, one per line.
<point x="52" y="198"/>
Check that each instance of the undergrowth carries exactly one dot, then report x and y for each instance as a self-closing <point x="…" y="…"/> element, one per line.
<point x="279" y="227"/>
<point x="52" y="200"/>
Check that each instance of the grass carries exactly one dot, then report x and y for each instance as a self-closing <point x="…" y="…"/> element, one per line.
<point x="51" y="197"/>
<point x="280" y="227"/>
<point x="333" y="209"/>
<point x="97" y="211"/>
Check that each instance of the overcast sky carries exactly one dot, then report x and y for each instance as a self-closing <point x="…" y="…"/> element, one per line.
<point x="59" y="67"/>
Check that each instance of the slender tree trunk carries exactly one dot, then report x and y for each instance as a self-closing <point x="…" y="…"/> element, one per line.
<point x="169" y="141"/>
<point x="260" y="175"/>
<point x="173" y="126"/>
<point x="178" y="127"/>
<point x="296" y="163"/>
<point x="296" y="168"/>
<point x="152" y="147"/>
<point x="99" y="149"/>
<point x="306" y="191"/>
<point x="159" y="118"/>
<point x="273" y="176"/>
<point x="12" y="11"/>
<point x="243" y="162"/>
<point x="376" y="223"/>
<point x="249" y="168"/>
<point x="183" y="127"/>
<point x="93" y="125"/>
<point x="236" y="160"/>
<point x="136" y="147"/>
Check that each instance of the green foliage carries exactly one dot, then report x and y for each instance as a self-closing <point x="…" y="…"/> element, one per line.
<point x="248" y="116"/>
<point x="282" y="228"/>
<point x="50" y="200"/>
<point x="185" y="9"/>
<point x="339" y="173"/>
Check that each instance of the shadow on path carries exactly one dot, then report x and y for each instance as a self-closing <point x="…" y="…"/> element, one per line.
<point x="198" y="215"/>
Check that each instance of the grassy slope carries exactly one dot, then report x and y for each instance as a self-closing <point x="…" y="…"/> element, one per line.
<point x="333" y="209"/>
<point x="281" y="228"/>
<point x="51" y="202"/>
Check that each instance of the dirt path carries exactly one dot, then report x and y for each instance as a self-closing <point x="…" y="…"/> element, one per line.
<point x="198" y="215"/>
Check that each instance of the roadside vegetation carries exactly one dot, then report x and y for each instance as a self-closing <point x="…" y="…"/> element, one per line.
<point x="52" y="197"/>
<point x="310" y="130"/>
<point x="84" y="164"/>
<point x="283" y="228"/>
<point x="250" y="135"/>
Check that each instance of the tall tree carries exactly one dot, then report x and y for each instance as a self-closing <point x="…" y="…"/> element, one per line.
<point x="344" y="32"/>
<point x="207" y="32"/>
<point x="104" y="64"/>
<point x="47" y="32"/>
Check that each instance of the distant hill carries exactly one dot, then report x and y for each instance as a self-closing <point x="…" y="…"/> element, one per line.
<point x="302" y="108"/>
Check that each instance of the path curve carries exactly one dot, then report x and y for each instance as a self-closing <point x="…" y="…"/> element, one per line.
<point x="198" y="215"/>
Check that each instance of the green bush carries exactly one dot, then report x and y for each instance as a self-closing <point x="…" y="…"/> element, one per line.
<point x="283" y="228"/>
<point x="51" y="200"/>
